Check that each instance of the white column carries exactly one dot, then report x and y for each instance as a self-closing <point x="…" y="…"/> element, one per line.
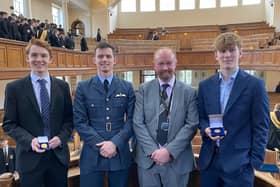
<point x="28" y="8"/>
<point x="64" y="4"/>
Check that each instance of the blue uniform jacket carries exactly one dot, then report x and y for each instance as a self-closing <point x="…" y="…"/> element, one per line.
<point x="99" y="117"/>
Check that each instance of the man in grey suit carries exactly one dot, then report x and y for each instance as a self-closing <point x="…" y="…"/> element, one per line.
<point x="165" y="121"/>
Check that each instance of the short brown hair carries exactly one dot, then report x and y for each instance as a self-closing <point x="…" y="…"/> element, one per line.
<point x="227" y="40"/>
<point x="39" y="43"/>
<point x="104" y="45"/>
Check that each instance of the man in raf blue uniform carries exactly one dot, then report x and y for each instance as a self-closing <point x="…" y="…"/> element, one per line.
<point x="103" y="110"/>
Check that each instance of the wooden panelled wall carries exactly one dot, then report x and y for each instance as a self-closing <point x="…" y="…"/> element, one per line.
<point x="67" y="62"/>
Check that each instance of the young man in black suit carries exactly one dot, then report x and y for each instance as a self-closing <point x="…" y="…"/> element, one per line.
<point x="7" y="156"/>
<point x="38" y="109"/>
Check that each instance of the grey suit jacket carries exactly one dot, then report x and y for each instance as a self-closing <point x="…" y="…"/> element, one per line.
<point x="183" y="125"/>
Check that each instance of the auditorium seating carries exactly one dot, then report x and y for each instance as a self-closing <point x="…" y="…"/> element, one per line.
<point x="142" y="46"/>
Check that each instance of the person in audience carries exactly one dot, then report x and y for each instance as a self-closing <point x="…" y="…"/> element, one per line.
<point x="98" y="35"/>
<point x="54" y="38"/>
<point x="38" y="116"/>
<point x="83" y="43"/>
<point x="103" y="110"/>
<point x="4" y="31"/>
<point x="277" y="89"/>
<point x="69" y="41"/>
<point x="237" y="106"/>
<point x="274" y="131"/>
<point x="155" y="36"/>
<point x="7" y="156"/>
<point x="165" y="121"/>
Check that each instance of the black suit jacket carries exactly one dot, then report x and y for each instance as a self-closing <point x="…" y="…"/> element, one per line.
<point x="11" y="163"/>
<point x="23" y="122"/>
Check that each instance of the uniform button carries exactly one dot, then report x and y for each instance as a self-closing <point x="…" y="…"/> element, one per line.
<point x="107" y="117"/>
<point x="107" y="108"/>
<point x="107" y="99"/>
<point x="92" y="105"/>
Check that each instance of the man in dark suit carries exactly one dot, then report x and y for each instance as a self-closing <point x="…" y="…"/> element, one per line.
<point x="103" y="110"/>
<point x="39" y="106"/>
<point x="240" y="105"/>
<point x="7" y="156"/>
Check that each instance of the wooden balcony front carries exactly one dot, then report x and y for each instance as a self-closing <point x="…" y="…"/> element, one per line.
<point x="68" y="62"/>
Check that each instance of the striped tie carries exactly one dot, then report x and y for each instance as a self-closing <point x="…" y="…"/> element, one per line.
<point x="45" y="106"/>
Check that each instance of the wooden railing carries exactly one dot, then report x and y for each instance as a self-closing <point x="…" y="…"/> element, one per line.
<point x="68" y="62"/>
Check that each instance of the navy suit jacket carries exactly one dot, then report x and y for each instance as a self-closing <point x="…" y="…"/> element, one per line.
<point x="23" y="122"/>
<point x="246" y="120"/>
<point x="92" y="107"/>
<point x="11" y="162"/>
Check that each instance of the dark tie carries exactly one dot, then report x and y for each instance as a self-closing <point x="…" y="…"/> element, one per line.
<point x="106" y="85"/>
<point x="6" y="155"/>
<point x="45" y="106"/>
<point x="162" y="133"/>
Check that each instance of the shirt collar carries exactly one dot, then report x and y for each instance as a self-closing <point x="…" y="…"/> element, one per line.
<point x="170" y="82"/>
<point x="35" y="77"/>
<point x="102" y="79"/>
<point x="232" y="77"/>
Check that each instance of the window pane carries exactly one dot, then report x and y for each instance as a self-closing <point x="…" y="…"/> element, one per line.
<point x="250" y="2"/>
<point x="147" y="5"/>
<point x="128" y="5"/>
<point x="207" y="4"/>
<point x="187" y="4"/>
<point x="228" y="3"/>
<point x="18" y="7"/>
<point x="167" y="5"/>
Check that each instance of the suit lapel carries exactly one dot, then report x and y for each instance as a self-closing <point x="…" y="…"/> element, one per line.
<point x="53" y="94"/>
<point x="176" y="98"/>
<point x="214" y="94"/>
<point x="30" y="93"/>
<point x="237" y="88"/>
<point x="96" y="83"/>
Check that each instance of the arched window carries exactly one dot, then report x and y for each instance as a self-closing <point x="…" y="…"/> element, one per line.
<point x="56" y="14"/>
<point x="228" y="3"/>
<point x="186" y="4"/>
<point x="250" y="2"/>
<point x="207" y="4"/>
<point x="128" y="6"/>
<point x="147" y="5"/>
<point x="18" y="7"/>
<point x="166" y="5"/>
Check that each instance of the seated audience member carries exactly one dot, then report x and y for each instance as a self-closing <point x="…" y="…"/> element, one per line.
<point x="83" y="43"/>
<point x="274" y="131"/>
<point x="7" y="156"/>
<point x="4" y="31"/>
<point x="155" y="36"/>
<point x="277" y="89"/>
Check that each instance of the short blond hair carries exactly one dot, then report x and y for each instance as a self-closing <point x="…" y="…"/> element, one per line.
<point x="227" y="40"/>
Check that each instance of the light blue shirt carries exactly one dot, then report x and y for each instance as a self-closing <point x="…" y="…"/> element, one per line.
<point x="225" y="89"/>
<point x="37" y="87"/>
<point x="102" y="79"/>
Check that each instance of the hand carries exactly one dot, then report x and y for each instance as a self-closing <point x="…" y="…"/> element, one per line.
<point x="107" y="149"/>
<point x="214" y="138"/>
<point x="161" y="156"/>
<point x="36" y="146"/>
<point x="54" y="142"/>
